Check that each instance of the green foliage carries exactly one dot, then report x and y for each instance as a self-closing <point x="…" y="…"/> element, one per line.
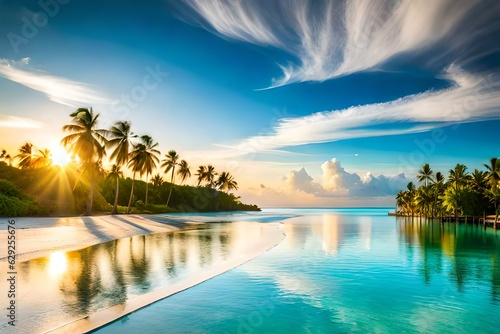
<point x="13" y="203"/>
<point x="471" y="194"/>
<point x="139" y="205"/>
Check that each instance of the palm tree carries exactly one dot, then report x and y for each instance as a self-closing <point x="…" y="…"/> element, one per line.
<point x="119" y="137"/>
<point x="410" y="197"/>
<point x="25" y="155"/>
<point x="423" y="200"/>
<point x="150" y="160"/>
<point x="493" y="174"/>
<point x="157" y="181"/>
<point x="201" y="173"/>
<point x="425" y="174"/>
<point x="116" y="173"/>
<point x="143" y="159"/>
<point x="452" y="200"/>
<point x="87" y="143"/>
<point x="4" y="155"/>
<point x="493" y="178"/>
<point x="225" y="182"/>
<point x="42" y="159"/>
<point x="400" y="202"/>
<point x="210" y="175"/>
<point x="458" y="176"/>
<point x="184" y="171"/>
<point x="169" y="164"/>
<point x="438" y="187"/>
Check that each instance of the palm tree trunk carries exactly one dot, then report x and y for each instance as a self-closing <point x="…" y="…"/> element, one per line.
<point x="88" y="211"/>
<point x="115" y="204"/>
<point x="171" y="185"/>
<point x="147" y="187"/>
<point x="131" y="194"/>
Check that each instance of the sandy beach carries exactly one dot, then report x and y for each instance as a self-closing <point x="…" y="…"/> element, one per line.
<point x="39" y="237"/>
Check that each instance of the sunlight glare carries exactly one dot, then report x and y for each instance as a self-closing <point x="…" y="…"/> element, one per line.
<point x="60" y="156"/>
<point x="57" y="263"/>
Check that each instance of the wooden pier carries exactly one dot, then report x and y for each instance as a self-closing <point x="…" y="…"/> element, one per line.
<point x="488" y="221"/>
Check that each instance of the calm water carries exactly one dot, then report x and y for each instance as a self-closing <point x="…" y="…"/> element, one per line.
<point x="66" y="286"/>
<point x="345" y="271"/>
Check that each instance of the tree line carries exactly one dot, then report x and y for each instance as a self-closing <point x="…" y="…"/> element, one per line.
<point x="140" y="154"/>
<point x="460" y="193"/>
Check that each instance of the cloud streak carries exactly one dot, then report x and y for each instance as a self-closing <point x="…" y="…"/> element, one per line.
<point x="327" y="39"/>
<point x="57" y="89"/>
<point x="471" y="98"/>
<point x="8" y="121"/>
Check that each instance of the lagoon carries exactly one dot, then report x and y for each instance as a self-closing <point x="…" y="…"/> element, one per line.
<point x="349" y="270"/>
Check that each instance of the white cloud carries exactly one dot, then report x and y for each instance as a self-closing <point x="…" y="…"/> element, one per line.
<point x="301" y="181"/>
<point x="337" y="185"/>
<point x="8" y="121"/>
<point x="58" y="89"/>
<point x="337" y="180"/>
<point x="328" y="39"/>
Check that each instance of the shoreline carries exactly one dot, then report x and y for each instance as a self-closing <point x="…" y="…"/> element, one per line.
<point x="273" y="237"/>
<point x="40" y="237"/>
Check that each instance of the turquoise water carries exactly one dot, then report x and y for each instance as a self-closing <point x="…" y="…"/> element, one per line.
<point x="341" y="271"/>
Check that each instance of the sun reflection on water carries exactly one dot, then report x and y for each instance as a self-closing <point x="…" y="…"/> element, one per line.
<point x="58" y="263"/>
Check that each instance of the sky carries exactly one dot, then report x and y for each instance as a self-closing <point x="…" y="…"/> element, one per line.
<point x="307" y="103"/>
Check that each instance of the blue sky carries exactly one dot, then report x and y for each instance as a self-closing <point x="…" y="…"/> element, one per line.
<point x="307" y="103"/>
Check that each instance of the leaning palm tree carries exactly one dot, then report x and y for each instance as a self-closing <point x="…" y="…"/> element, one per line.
<point x="87" y="143"/>
<point x="425" y="174"/>
<point x="201" y="173"/>
<point x="169" y="164"/>
<point x="184" y="171"/>
<point x="42" y="159"/>
<point x="25" y="156"/>
<point x="115" y="173"/>
<point x="225" y="182"/>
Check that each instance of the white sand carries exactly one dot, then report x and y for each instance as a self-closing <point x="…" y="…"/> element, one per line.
<point x="37" y="237"/>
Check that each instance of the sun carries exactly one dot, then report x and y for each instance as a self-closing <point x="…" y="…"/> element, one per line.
<point x="60" y="157"/>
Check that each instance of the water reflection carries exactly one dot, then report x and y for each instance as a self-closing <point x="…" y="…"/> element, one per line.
<point x="68" y="285"/>
<point x="468" y="254"/>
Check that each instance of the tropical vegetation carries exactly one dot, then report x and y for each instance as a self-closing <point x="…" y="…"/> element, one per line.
<point x="461" y="193"/>
<point x="37" y="187"/>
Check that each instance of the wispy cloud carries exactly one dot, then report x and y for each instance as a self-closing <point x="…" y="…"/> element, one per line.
<point x="57" y="89"/>
<point x="471" y="98"/>
<point x="8" y="121"/>
<point x="327" y="39"/>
